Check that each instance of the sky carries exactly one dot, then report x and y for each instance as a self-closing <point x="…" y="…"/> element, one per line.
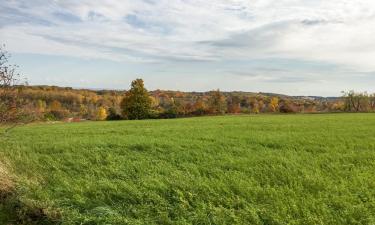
<point x="295" y="47"/>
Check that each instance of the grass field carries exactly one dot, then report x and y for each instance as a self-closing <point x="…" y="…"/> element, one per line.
<point x="266" y="169"/>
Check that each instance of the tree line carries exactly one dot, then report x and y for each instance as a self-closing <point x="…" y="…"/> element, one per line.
<point x="49" y="103"/>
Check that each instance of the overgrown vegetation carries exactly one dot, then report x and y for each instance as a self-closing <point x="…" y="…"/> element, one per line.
<point x="261" y="169"/>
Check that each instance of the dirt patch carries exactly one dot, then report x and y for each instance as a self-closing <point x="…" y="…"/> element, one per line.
<point x="7" y="186"/>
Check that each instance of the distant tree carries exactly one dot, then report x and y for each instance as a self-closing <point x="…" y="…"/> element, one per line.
<point x="357" y="102"/>
<point x="254" y="105"/>
<point x="260" y="106"/>
<point x="171" y="110"/>
<point x="41" y="106"/>
<point x="57" y="111"/>
<point x="337" y="106"/>
<point x="101" y="114"/>
<point x="199" y="107"/>
<point x="154" y="102"/>
<point x="217" y="104"/>
<point x="55" y="106"/>
<point x="113" y="114"/>
<point x="287" y="106"/>
<point x="372" y="102"/>
<point x="12" y="107"/>
<point x="234" y="104"/>
<point x="136" y="104"/>
<point x="274" y="104"/>
<point x="83" y="111"/>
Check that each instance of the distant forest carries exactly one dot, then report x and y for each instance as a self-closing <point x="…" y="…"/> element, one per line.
<point x="59" y="103"/>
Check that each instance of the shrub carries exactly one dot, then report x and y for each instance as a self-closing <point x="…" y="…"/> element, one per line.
<point x="113" y="114"/>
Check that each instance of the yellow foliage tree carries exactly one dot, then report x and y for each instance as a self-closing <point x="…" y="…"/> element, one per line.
<point x="101" y="114"/>
<point x="154" y="102"/>
<point x="274" y="104"/>
<point x="41" y="106"/>
<point x="255" y="108"/>
<point x="55" y="106"/>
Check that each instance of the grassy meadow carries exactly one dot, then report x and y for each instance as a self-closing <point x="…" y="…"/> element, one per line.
<point x="260" y="169"/>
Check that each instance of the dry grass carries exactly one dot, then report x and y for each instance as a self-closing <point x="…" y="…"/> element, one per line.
<point x="15" y="211"/>
<point x="6" y="183"/>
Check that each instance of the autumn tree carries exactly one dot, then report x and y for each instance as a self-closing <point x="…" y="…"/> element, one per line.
<point x="372" y="102"/>
<point x="255" y="106"/>
<point x="101" y="113"/>
<point x="234" y="104"/>
<point x="260" y="105"/>
<point x="137" y="103"/>
<point x="287" y="106"/>
<point x="41" y="106"/>
<point x="12" y="107"/>
<point x="357" y="102"/>
<point x="83" y="111"/>
<point x="217" y="103"/>
<point x="199" y="107"/>
<point x="55" y="106"/>
<point x="274" y="104"/>
<point x="56" y="111"/>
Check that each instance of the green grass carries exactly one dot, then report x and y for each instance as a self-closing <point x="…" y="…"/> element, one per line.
<point x="266" y="169"/>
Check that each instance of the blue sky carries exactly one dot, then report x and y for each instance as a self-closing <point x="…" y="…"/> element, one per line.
<point x="297" y="47"/>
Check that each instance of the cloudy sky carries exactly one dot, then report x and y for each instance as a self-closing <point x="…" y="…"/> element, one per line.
<point x="298" y="47"/>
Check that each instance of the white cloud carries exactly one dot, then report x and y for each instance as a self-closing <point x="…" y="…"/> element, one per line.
<point x="338" y="32"/>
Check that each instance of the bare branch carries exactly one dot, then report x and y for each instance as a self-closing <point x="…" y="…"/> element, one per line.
<point x="12" y="108"/>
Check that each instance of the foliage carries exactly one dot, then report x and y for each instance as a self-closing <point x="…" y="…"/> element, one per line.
<point x="113" y="114"/>
<point x="359" y="101"/>
<point x="259" y="169"/>
<point x="101" y="114"/>
<point x="58" y="103"/>
<point x="288" y="107"/>
<point x="234" y="104"/>
<point x="136" y="103"/>
<point x="217" y="103"/>
<point x="13" y="109"/>
<point x="274" y="104"/>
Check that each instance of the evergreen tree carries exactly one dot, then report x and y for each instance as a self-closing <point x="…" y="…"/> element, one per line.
<point x="136" y="104"/>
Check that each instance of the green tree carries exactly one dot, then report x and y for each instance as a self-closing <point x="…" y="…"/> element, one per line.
<point x="136" y="104"/>
<point x="113" y="115"/>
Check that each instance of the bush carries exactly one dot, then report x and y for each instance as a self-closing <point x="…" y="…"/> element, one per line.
<point x="288" y="108"/>
<point x="113" y="115"/>
<point x="168" y="114"/>
<point x="56" y="114"/>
